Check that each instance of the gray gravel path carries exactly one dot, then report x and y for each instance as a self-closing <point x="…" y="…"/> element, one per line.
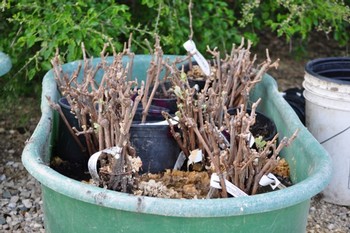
<point x="20" y="198"/>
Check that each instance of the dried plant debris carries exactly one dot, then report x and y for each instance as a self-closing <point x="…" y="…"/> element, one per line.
<point x="174" y="184"/>
<point x="213" y="141"/>
<point x="282" y="169"/>
<point x="196" y="73"/>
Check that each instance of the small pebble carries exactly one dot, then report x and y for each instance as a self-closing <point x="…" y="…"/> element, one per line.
<point x="6" y="194"/>
<point x="14" y="199"/>
<point x="330" y="226"/>
<point x="11" y="131"/>
<point x="12" y="151"/>
<point x="9" y="163"/>
<point x="11" y="205"/>
<point x="2" y="220"/>
<point x="25" y="194"/>
<point x="27" y="203"/>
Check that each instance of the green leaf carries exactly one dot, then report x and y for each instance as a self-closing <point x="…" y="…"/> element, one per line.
<point x="31" y="73"/>
<point x="46" y="65"/>
<point x="72" y="50"/>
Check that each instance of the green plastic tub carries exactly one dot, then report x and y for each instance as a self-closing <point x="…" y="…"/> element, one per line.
<point x="72" y="206"/>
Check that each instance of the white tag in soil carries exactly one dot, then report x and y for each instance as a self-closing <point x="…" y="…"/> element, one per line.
<point x="272" y="180"/>
<point x="196" y="156"/>
<point x="231" y="188"/>
<point x="92" y="163"/>
<point x="180" y="161"/>
<point x="251" y="140"/>
<point x="190" y="47"/>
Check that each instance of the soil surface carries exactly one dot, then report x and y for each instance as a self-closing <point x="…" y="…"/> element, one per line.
<point x="19" y="118"/>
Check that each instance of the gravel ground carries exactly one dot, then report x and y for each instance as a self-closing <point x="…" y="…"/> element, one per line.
<point x="20" y="203"/>
<point x="20" y="193"/>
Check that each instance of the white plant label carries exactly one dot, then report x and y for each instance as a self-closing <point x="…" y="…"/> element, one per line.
<point x="272" y="180"/>
<point x="190" y="47"/>
<point x="196" y="156"/>
<point x="231" y="188"/>
<point x="92" y="163"/>
<point x="180" y="161"/>
<point x="251" y="140"/>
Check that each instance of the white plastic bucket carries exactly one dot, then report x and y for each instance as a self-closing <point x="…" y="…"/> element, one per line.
<point x="327" y="112"/>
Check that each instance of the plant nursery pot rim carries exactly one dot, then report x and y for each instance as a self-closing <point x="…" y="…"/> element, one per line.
<point x="298" y="193"/>
<point x="329" y="64"/>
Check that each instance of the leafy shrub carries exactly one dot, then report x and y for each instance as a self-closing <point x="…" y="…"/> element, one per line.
<point x="293" y="18"/>
<point x="213" y="23"/>
<point x="34" y="29"/>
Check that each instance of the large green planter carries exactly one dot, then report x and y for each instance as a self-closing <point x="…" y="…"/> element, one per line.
<point x="72" y="206"/>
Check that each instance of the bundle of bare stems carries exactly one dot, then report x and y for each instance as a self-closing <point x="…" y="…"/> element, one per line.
<point x="105" y="111"/>
<point x="202" y="117"/>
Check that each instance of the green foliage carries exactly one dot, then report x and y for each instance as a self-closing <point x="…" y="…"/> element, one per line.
<point x="35" y="29"/>
<point x="260" y="143"/>
<point x="213" y="24"/>
<point x="297" y="18"/>
<point x="31" y="31"/>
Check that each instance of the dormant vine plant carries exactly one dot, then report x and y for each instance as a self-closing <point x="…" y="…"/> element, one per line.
<point x="105" y="111"/>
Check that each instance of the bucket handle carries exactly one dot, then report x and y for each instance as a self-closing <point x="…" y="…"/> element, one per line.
<point x="335" y="135"/>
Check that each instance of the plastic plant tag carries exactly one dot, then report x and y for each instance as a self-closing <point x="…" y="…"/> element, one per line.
<point x="190" y="47"/>
<point x="251" y="140"/>
<point x="92" y="163"/>
<point x="180" y="161"/>
<point x="272" y="180"/>
<point x="196" y="156"/>
<point x="231" y="188"/>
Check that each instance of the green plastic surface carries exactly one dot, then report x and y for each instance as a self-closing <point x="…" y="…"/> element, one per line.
<point x="72" y="206"/>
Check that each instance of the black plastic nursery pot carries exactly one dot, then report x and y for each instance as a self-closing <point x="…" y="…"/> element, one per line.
<point x="154" y="113"/>
<point x="73" y="206"/>
<point x="152" y="142"/>
<point x="169" y="104"/>
<point x="67" y="148"/>
<point x="264" y="126"/>
<point x="296" y="99"/>
<point x="165" y="102"/>
<point x="155" y="145"/>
